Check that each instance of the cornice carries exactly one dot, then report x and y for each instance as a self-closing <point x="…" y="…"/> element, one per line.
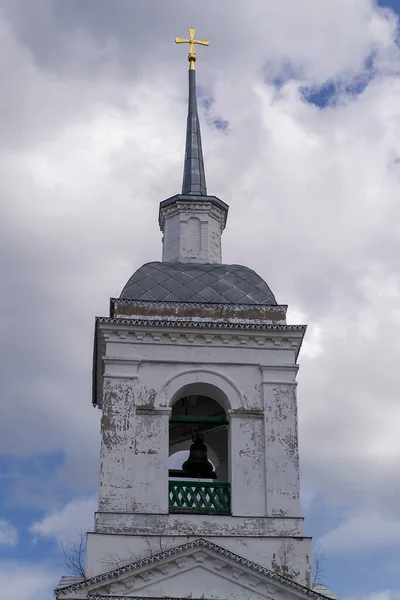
<point x="189" y="333"/>
<point x="187" y="209"/>
<point x="228" y="339"/>
<point x="197" y="312"/>
<point x="239" y="307"/>
<point x="191" y="324"/>
<point x="185" y="203"/>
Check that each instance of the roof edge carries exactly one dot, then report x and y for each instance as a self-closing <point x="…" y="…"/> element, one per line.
<point x="194" y="198"/>
<point x="182" y="304"/>
<point x="153" y="322"/>
<point x="200" y="542"/>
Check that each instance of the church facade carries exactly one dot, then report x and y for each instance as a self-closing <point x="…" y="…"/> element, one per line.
<point x="195" y="373"/>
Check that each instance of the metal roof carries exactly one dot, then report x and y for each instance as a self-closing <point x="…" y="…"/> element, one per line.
<point x="194" y="178"/>
<point x="185" y="282"/>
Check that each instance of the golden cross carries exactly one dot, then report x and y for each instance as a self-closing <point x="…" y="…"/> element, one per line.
<point x="192" y="53"/>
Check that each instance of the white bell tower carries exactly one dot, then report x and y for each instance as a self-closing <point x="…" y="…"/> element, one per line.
<point x="195" y="373"/>
<point x="169" y="370"/>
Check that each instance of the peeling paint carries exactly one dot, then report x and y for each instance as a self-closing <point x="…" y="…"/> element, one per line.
<point x="234" y="313"/>
<point x="263" y="460"/>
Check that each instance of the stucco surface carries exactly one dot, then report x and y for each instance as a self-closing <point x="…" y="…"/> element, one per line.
<point x="147" y="359"/>
<point x="192" y="229"/>
<point x="262" y="551"/>
<point x="196" y="568"/>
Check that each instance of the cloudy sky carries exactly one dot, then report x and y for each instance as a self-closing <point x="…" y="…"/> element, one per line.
<point x="300" y="113"/>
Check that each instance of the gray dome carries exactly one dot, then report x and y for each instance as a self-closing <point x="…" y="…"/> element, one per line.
<point x="184" y="282"/>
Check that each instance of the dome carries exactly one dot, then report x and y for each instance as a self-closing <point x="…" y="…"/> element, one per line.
<point x="186" y="282"/>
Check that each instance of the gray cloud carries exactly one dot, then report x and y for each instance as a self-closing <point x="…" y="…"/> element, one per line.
<point x="92" y="139"/>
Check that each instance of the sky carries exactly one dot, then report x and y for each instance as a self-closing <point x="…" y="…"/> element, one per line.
<point x="300" y="117"/>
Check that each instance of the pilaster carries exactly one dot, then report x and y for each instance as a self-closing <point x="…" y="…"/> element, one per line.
<point x="134" y="445"/>
<point x="281" y="441"/>
<point x="247" y="463"/>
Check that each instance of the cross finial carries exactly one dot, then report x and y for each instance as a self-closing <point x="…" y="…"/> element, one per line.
<point x="192" y="53"/>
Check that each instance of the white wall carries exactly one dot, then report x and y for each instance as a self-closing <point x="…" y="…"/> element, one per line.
<point x="262" y="412"/>
<point x="192" y="232"/>
<point x="146" y="369"/>
<point x="104" y="550"/>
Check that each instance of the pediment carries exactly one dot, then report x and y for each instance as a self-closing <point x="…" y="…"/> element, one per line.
<point x="198" y="574"/>
<point x="198" y="570"/>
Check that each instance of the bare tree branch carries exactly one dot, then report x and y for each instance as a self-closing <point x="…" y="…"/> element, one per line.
<point x="73" y="554"/>
<point x="113" y="560"/>
<point x="318" y="566"/>
<point x="286" y="561"/>
<point x="155" y="544"/>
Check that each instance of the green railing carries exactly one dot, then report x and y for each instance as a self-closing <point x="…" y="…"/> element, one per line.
<point x="199" y="497"/>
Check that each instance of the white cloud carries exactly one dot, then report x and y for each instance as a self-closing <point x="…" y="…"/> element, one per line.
<point x="26" y="581"/>
<point x="65" y="525"/>
<point x="8" y="534"/>
<point x="97" y="142"/>
<point x="363" y="529"/>
<point x="384" y="595"/>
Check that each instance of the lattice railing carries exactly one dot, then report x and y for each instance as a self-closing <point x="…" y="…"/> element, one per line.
<point x="199" y="497"/>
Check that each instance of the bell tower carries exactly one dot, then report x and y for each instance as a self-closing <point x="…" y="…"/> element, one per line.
<point x="195" y="373"/>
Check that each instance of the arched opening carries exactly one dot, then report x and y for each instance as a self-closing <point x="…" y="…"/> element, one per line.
<point x="198" y="451"/>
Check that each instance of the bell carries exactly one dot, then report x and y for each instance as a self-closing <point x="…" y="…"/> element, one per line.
<point x="198" y="465"/>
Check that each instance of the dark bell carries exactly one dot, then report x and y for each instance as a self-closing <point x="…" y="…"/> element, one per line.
<point x="198" y="465"/>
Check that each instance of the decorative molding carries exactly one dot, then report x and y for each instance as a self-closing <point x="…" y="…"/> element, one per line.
<point x="219" y="565"/>
<point x="279" y="382"/>
<point x="218" y="379"/>
<point x="246" y="414"/>
<point x="183" y="525"/>
<point x="191" y="324"/>
<point x="239" y="307"/>
<point x="236" y="573"/>
<point x="164" y="569"/>
<point x="200" y="556"/>
<point x="120" y="376"/>
<point x="146" y="410"/>
<point x="286" y="371"/>
<point x="200" y="543"/>
<point x="203" y="337"/>
<point x="181" y="562"/>
<point x="187" y="362"/>
<point x="131" y="361"/>
<point x="126" y="598"/>
<point x="190" y="207"/>
<point x="278" y="367"/>
<point x="127" y="368"/>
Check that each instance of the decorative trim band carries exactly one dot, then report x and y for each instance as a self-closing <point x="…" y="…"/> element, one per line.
<point x="155" y="303"/>
<point x="279" y="382"/>
<point x="201" y="324"/>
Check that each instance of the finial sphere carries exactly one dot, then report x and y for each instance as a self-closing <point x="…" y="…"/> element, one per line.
<point x="192" y="53"/>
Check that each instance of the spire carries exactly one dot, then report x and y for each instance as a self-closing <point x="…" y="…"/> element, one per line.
<point x="192" y="222"/>
<point x="194" y="178"/>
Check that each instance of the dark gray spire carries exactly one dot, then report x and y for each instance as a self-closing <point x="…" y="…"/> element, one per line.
<point x="194" y="178"/>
